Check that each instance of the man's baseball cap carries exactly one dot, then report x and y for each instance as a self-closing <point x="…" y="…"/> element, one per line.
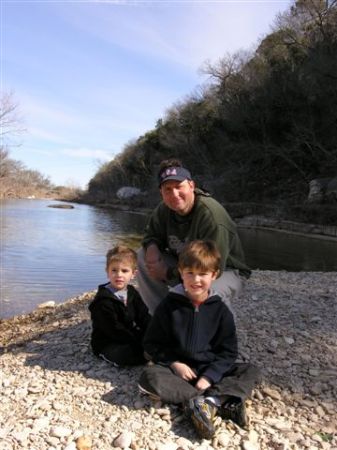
<point x="173" y="173"/>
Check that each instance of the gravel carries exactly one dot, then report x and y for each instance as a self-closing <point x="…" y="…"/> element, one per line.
<point x="55" y="395"/>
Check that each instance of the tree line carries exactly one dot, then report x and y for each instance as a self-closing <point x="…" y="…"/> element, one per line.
<point x="262" y="126"/>
<point x="16" y="180"/>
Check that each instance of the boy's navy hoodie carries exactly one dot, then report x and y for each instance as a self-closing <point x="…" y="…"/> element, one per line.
<point x="202" y="337"/>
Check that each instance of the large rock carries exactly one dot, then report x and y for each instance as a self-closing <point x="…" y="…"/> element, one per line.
<point x="331" y="191"/>
<point x="323" y="190"/>
<point x="62" y="206"/>
<point x="127" y="192"/>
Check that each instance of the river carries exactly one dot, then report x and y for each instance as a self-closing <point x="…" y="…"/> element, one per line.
<point x="54" y="254"/>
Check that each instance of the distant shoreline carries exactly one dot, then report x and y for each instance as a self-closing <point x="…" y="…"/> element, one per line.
<point x="249" y="220"/>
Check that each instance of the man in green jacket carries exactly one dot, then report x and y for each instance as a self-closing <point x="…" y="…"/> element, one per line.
<point x="186" y="214"/>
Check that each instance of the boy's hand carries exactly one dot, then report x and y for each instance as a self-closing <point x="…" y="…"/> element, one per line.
<point x="183" y="371"/>
<point x="155" y="265"/>
<point x="202" y="384"/>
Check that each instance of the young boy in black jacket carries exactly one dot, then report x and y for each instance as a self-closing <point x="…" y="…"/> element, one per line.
<point x="192" y="341"/>
<point x="118" y="313"/>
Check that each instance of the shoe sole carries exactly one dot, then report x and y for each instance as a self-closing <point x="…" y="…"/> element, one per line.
<point x="152" y="395"/>
<point x="204" y="430"/>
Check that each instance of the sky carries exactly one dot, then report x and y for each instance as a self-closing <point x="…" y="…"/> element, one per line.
<point x="91" y="76"/>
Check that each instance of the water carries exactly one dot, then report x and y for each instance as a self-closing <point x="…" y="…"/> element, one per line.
<point x="55" y="254"/>
<point x="278" y="250"/>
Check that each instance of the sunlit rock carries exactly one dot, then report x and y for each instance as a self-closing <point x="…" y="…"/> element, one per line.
<point x="127" y="192"/>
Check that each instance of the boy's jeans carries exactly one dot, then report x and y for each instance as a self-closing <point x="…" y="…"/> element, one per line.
<point x="160" y="380"/>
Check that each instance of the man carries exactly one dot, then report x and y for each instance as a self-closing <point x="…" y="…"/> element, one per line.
<point x="185" y="214"/>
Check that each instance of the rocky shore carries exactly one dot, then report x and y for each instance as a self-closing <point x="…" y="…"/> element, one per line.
<point x="55" y="395"/>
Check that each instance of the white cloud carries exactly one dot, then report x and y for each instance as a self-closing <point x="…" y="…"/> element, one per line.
<point x="87" y="153"/>
<point x="44" y="135"/>
<point x="183" y="33"/>
<point x="135" y="27"/>
<point x="111" y="122"/>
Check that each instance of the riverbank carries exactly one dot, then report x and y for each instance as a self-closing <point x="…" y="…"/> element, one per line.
<point x="316" y="220"/>
<point x="54" y="390"/>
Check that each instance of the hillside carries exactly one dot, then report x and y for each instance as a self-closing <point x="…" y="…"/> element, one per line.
<point x="261" y="129"/>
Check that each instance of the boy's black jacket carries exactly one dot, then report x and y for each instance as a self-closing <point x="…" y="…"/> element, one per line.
<point x="113" y="322"/>
<point x="203" y="338"/>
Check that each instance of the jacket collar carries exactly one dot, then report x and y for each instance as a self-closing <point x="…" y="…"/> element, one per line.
<point x="180" y="290"/>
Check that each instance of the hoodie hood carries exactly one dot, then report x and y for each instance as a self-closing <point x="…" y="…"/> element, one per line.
<point x="180" y="290"/>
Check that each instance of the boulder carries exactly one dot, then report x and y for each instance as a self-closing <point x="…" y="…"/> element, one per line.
<point x="127" y="192"/>
<point x="331" y="191"/>
<point x="323" y="190"/>
<point x="61" y="206"/>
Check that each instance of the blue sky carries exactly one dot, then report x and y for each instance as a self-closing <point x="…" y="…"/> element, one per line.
<point x="90" y="76"/>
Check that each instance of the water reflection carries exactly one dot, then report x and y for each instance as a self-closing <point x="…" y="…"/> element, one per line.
<point x="55" y="254"/>
<point x="278" y="250"/>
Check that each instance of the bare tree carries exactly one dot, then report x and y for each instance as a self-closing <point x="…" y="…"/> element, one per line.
<point x="226" y="67"/>
<point x="16" y="179"/>
<point x="11" y="122"/>
<point x="10" y="128"/>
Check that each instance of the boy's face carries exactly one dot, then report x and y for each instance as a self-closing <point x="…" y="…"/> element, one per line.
<point x="197" y="283"/>
<point x="120" y="274"/>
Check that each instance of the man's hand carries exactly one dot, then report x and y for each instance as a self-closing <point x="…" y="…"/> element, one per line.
<point x="155" y="265"/>
<point x="202" y="384"/>
<point x="183" y="371"/>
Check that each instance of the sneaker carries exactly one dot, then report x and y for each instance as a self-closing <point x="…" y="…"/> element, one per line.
<point x="235" y="410"/>
<point x="202" y="415"/>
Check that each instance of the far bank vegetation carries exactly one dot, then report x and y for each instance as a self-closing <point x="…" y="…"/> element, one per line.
<point x="262" y="126"/>
<point x="16" y="180"/>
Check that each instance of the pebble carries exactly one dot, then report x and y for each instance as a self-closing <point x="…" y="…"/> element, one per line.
<point x="49" y="304"/>
<point x="59" y="431"/>
<point x="123" y="440"/>
<point x="71" y="446"/>
<point x="84" y="443"/>
<point x="56" y="395"/>
<point x="167" y="446"/>
<point x="247" y="445"/>
<point x="272" y="393"/>
<point x="224" y="439"/>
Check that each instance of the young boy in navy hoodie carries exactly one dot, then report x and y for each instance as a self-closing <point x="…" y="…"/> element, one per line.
<point x="192" y="341"/>
<point x="118" y="313"/>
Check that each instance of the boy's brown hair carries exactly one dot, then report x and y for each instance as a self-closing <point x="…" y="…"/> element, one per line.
<point x="121" y="253"/>
<point x="202" y="255"/>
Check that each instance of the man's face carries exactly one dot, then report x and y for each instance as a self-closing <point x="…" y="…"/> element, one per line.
<point x="178" y="195"/>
